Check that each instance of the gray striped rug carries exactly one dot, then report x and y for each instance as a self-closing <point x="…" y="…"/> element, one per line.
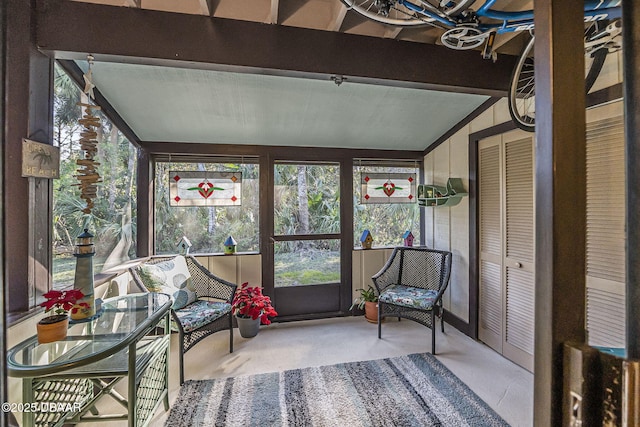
<point x="414" y="390"/>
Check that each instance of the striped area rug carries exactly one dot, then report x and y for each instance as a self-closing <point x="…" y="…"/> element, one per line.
<point x="414" y="390"/>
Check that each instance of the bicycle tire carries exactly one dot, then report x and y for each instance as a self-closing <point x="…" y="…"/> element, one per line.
<point x="521" y="97"/>
<point x="401" y="18"/>
<point x="598" y="57"/>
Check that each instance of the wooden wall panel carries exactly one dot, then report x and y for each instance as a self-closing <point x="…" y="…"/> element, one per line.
<point x="458" y="291"/>
<point x="249" y="269"/>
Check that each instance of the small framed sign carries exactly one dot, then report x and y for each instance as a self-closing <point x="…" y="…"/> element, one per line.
<point x="40" y="160"/>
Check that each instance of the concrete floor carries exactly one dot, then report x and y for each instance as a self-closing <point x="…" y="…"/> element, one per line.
<point x="506" y="387"/>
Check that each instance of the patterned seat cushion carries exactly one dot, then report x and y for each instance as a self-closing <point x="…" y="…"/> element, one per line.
<point x="408" y="296"/>
<point x="200" y="313"/>
<point x="170" y="277"/>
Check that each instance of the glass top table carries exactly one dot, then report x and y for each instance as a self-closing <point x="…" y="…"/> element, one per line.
<point x="124" y="320"/>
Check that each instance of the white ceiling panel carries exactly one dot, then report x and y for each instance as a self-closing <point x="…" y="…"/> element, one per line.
<point x="189" y="105"/>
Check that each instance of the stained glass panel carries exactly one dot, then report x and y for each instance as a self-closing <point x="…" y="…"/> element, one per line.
<point x="388" y="187"/>
<point x="203" y="188"/>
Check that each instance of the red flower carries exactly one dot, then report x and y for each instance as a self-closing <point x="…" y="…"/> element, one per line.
<point x="63" y="301"/>
<point x="250" y="302"/>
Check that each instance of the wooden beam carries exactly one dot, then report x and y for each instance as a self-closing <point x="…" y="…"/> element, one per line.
<point x="206" y="7"/>
<point x="145" y="198"/>
<point x="141" y="36"/>
<point x="4" y="288"/>
<point x="392" y="32"/>
<point x="76" y="74"/>
<point x="341" y="12"/>
<point x="26" y="201"/>
<point x="560" y="187"/>
<point x="281" y="152"/>
<point x="631" y="61"/>
<point x="274" y="11"/>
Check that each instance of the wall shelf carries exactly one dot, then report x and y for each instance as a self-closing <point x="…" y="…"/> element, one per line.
<point x="437" y="195"/>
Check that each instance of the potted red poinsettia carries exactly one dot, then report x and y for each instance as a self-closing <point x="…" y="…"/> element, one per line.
<point x="251" y="308"/>
<point x="54" y="327"/>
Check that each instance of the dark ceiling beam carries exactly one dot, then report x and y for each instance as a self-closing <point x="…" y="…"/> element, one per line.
<point x="161" y="38"/>
<point x="107" y="109"/>
<point x="280" y="151"/>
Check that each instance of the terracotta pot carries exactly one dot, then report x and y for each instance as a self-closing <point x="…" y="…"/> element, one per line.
<point x="52" y="328"/>
<point x="248" y="327"/>
<point x="371" y="311"/>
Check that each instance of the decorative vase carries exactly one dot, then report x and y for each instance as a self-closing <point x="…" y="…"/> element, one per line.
<point x="248" y="327"/>
<point x="371" y="311"/>
<point x="52" y="328"/>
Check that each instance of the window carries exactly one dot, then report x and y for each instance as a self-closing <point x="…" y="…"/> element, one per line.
<point x="207" y="227"/>
<point x="113" y="218"/>
<point x="386" y="222"/>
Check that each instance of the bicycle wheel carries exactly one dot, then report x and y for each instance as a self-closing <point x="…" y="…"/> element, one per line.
<point x="522" y="93"/>
<point x="391" y="12"/>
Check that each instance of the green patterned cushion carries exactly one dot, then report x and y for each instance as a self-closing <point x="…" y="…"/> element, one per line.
<point x="170" y="277"/>
<point x="408" y="296"/>
<point x="200" y="313"/>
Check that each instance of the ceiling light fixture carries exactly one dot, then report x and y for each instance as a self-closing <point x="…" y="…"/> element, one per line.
<point x="338" y="79"/>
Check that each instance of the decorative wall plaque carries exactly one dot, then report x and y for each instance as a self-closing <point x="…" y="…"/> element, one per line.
<point x="40" y="160"/>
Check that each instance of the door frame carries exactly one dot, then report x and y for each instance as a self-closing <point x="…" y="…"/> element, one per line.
<point x="319" y="293"/>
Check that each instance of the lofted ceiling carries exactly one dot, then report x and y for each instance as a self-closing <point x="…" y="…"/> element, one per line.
<point x="191" y="104"/>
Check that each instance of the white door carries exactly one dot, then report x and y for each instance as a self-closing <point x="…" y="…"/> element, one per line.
<point x="507" y="245"/>
<point x="605" y="257"/>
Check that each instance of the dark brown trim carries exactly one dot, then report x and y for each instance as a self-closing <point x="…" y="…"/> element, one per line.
<point x="474" y="228"/>
<point x="4" y="308"/>
<point x="462" y="123"/>
<point x="27" y="223"/>
<point x="76" y="74"/>
<point x="145" y="213"/>
<point x="346" y="231"/>
<point x="266" y="223"/>
<point x="631" y="61"/>
<point x="313" y="316"/>
<point x="560" y="194"/>
<point x="278" y="152"/>
<point x="459" y="324"/>
<point x="119" y="34"/>
<point x="296" y="237"/>
<point x="602" y="96"/>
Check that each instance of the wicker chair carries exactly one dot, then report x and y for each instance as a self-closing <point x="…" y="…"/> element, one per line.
<point x="411" y="285"/>
<point x="188" y="321"/>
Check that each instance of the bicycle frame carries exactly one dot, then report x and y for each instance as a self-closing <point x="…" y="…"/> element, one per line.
<point x="594" y="10"/>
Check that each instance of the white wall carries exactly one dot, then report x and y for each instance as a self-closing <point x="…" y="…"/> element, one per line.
<point x="447" y="228"/>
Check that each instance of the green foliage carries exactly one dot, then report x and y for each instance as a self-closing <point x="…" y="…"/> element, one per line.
<point x="112" y="220"/>
<point x="207" y="227"/>
<point x="366" y="295"/>
<point x="387" y="222"/>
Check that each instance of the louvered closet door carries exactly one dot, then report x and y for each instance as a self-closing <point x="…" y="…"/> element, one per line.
<point x="605" y="257"/>
<point x="507" y="244"/>
<point x="490" y="220"/>
<point x="519" y="238"/>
